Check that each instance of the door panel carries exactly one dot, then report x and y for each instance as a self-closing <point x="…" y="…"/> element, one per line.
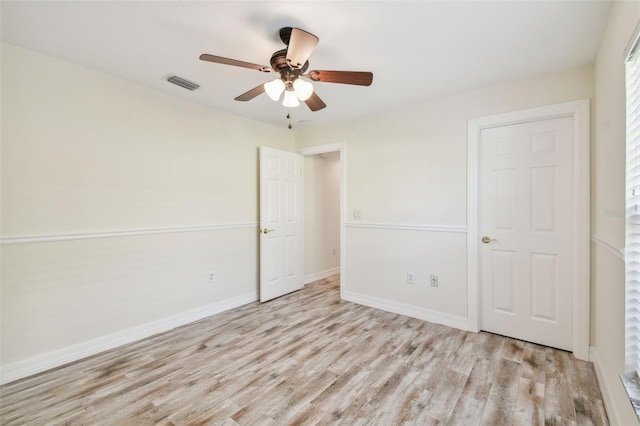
<point x="503" y="281"/>
<point x="526" y="209"/>
<point x="544" y="286"/>
<point x="280" y="223"/>
<point x="505" y="197"/>
<point x="543" y="197"/>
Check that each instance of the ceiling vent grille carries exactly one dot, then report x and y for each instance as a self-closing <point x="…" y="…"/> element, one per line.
<point x="179" y="81"/>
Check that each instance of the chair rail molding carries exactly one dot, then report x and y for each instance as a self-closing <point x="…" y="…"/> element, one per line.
<point x="408" y="227"/>
<point x="608" y="245"/>
<point x="29" y="239"/>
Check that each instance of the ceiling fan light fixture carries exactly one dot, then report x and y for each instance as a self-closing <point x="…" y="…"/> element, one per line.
<point x="290" y="99"/>
<point x="274" y="88"/>
<point x="292" y="64"/>
<point x="303" y="89"/>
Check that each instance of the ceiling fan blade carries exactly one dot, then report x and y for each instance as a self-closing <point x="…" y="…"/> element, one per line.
<point x="234" y="62"/>
<point x="247" y="96"/>
<point x="360" y="78"/>
<point x="315" y="103"/>
<point x="300" y="47"/>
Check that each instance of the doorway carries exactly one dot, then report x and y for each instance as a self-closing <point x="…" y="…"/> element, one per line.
<point x="321" y="216"/>
<point x="324" y="180"/>
<point x="480" y="249"/>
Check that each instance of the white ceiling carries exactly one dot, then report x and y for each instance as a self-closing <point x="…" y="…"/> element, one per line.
<point x="416" y="50"/>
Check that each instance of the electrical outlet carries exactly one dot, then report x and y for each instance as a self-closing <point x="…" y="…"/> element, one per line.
<point x="210" y="277"/>
<point x="357" y="214"/>
<point x="433" y="279"/>
<point x="409" y="277"/>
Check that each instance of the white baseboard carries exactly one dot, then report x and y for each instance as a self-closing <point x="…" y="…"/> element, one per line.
<point x="320" y="275"/>
<point x="40" y="363"/>
<point x="425" y="314"/>
<point x="605" y="388"/>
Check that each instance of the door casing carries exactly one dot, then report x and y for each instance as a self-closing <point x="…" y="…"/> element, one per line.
<point x="579" y="112"/>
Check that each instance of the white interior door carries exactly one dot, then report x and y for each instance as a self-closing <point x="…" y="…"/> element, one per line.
<point x="281" y="247"/>
<point x="525" y="200"/>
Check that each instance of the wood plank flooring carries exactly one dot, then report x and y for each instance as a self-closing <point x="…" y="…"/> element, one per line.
<point x="310" y="358"/>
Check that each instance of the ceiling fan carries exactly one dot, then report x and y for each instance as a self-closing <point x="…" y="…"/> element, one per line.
<point x="291" y="63"/>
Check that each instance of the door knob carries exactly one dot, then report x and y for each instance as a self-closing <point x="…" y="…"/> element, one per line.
<point x="487" y="240"/>
<point x="266" y="231"/>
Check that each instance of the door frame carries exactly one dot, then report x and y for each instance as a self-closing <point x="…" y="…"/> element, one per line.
<point x="323" y="149"/>
<point x="580" y="113"/>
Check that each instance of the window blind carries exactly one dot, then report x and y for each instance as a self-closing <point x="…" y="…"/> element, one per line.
<point x="632" y="238"/>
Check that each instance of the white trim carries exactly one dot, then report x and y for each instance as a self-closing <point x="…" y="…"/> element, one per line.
<point x="321" y="149"/>
<point x="308" y="279"/>
<point x="413" y="311"/>
<point x="343" y="218"/>
<point x="342" y="148"/>
<point x="114" y="234"/>
<point x="609" y="246"/>
<point x="579" y="112"/>
<point x="408" y="227"/>
<point x="635" y="39"/>
<point x="605" y="387"/>
<point x="57" y="358"/>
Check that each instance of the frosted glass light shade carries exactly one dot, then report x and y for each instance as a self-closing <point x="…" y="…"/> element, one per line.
<point x="274" y="88"/>
<point x="290" y="99"/>
<point x="303" y="89"/>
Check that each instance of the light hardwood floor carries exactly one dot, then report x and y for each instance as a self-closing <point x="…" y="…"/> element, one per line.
<point x="310" y="358"/>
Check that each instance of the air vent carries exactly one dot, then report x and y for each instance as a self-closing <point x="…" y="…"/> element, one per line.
<point x="179" y="81"/>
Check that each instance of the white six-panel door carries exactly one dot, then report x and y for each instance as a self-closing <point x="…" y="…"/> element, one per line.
<point x="525" y="200"/>
<point x="281" y="247"/>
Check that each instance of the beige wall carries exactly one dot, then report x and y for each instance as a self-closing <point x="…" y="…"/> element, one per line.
<point x="608" y="206"/>
<point x="85" y="152"/>
<point x="321" y="214"/>
<point x="408" y="167"/>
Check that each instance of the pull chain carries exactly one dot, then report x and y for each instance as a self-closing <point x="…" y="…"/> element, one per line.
<point x="289" y="118"/>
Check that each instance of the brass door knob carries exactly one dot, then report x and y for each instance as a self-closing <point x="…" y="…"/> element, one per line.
<point x="487" y="240"/>
<point x="266" y="231"/>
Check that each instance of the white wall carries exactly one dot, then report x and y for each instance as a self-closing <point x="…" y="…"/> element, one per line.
<point x="85" y="152"/>
<point x="608" y="206"/>
<point x="406" y="174"/>
<point x="321" y="215"/>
